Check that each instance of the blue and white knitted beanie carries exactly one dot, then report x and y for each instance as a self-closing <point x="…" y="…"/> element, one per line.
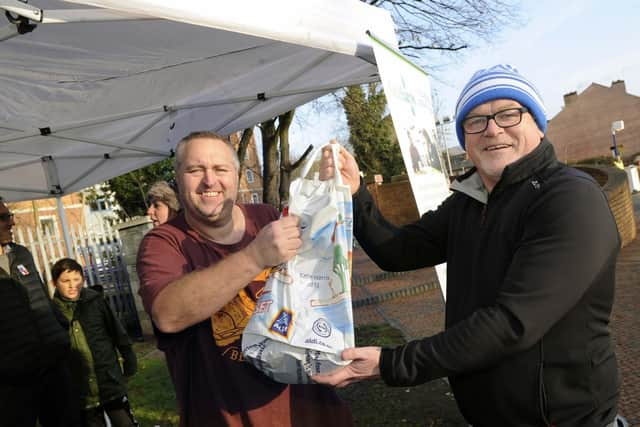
<point x="499" y="82"/>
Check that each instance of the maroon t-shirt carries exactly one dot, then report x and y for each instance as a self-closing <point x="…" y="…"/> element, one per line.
<point x="214" y="385"/>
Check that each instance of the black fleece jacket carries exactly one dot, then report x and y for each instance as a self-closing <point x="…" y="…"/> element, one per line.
<point x="104" y="334"/>
<point x="32" y="332"/>
<point x="530" y="284"/>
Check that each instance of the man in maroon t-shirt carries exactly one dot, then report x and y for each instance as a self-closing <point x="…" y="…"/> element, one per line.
<point x="200" y="276"/>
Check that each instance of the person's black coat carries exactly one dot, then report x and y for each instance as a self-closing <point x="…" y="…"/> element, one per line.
<point x="104" y="334"/>
<point x="530" y="286"/>
<point x="33" y="335"/>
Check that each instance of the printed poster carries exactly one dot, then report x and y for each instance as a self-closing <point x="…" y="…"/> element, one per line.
<point x="408" y="92"/>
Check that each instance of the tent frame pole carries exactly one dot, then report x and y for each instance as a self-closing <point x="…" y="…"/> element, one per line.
<point x="65" y="227"/>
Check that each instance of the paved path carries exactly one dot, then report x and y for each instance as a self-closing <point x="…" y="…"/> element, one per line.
<point x="412" y="302"/>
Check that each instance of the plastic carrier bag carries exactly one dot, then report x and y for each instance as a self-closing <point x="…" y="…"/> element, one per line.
<point x="304" y="319"/>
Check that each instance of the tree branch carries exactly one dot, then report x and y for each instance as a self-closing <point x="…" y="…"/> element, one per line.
<point x="242" y="147"/>
<point x="444" y="48"/>
<point x="298" y="162"/>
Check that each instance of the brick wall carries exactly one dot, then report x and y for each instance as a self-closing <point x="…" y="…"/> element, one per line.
<point x="616" y="188"/>
<point x="32" y="214"/>
<point x="249" y="192"/>
<point x="582" y="130"/>
<point x="396" y="202"/>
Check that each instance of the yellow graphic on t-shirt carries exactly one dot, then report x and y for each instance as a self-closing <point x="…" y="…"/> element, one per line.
<point x="228" y="323"/>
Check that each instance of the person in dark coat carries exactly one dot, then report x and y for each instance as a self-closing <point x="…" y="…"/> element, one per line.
<point x="35" y="380"/>
<point x="96" y="338"/>
<point x="531" y="248"/>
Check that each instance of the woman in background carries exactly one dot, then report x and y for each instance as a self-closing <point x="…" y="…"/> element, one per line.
<point x="163" y="203"/>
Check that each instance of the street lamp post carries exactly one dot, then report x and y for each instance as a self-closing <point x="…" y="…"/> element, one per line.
<point x="616" y="126"/>
<point x="440" y="125"/>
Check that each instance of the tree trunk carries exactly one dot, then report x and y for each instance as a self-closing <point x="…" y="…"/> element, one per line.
<point x="242" y="148"/>
<point x="284" y="122"/>
<point x="140" y="185"/>
<point x="270" y="173"/>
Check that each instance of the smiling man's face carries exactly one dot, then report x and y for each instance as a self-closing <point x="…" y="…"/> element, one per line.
<point x="496" y="147"/>
<point x="208" y="182"/>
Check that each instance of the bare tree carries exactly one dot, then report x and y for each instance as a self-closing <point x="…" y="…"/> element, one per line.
<point x="445" y="27"/>
<point x="242" y="147"/>
<point x="448" y="25"/>
<point x="277" y="167"/>
<point x="269" y="161"/>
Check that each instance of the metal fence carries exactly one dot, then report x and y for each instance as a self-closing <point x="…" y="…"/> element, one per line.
<point x="100" y="254"/>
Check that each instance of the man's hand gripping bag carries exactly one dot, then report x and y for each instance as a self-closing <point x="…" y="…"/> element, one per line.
<point x="304" y="319"/>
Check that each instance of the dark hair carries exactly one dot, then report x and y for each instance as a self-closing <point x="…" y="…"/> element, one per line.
<point x="65" y="264"/>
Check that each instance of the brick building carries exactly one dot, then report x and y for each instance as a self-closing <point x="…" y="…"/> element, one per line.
<point x="251" y="180"/>
<point x="43" y="214"/>
<point x="582" y="130"/>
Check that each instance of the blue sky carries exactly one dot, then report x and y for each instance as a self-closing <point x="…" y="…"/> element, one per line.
<point x="562" y="46"/>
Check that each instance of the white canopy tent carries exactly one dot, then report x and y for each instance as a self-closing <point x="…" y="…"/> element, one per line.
<point x="94" y="91"/>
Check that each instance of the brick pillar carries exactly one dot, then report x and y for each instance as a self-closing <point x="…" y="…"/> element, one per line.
<point x="131" y="234"/>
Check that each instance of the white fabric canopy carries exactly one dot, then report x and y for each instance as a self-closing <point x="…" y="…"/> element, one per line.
<point x="95" y="92"/>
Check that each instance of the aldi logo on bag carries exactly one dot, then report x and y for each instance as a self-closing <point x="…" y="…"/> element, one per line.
<point x="282" y="323"/>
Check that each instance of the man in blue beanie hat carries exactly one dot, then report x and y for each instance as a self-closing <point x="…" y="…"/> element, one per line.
<point x="531" y="248"/>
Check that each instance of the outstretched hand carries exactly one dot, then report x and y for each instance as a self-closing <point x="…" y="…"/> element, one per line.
<point x="348" y="167"/>
<point x="365" y="364"/>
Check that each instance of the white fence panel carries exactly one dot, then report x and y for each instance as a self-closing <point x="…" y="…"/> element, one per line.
<point x="88" y="246"/>
<point x="99" y="252"/>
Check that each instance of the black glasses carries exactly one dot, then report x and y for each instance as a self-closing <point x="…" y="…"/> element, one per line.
<point x="7" y="216"/>
<point x="505" y="119"/>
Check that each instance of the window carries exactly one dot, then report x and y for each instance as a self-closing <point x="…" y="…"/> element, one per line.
<point x="100" y="205"/>
<point x="48" y="225"/>
<point x="255" y="198"/>
<point x="249" y="176"/>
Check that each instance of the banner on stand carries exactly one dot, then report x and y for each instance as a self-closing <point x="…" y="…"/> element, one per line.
<point x="408" y="91"/>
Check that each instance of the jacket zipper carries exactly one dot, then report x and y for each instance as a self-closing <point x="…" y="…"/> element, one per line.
<point x="544" y="408"/>
<point x="483" y="214"/>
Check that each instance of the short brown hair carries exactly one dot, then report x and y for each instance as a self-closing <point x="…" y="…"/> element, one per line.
<point x="161" y="191"/>
<point x="65" y="264"/>
<point x="203" y="134"/>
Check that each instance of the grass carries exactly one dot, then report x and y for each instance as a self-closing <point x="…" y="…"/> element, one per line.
<point x="151" y="392"/>
<point x="373" y="403"/>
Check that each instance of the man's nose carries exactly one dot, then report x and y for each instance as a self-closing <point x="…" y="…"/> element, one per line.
<point x="492" y="127"/>
<point x="209" y="177"/>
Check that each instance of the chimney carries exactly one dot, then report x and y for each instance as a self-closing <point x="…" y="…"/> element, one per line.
<point x="570" y="98"/>
<point x="619" y="86"/>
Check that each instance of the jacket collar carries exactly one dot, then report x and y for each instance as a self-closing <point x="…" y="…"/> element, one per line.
<point x="540" y="158"/>
<point x="8" y="248"/>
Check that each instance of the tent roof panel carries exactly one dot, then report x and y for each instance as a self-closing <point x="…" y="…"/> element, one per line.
<point x="132" y="88"/>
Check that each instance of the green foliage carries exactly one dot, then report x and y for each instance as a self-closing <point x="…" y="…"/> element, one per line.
<point x="130" y="190"/>
<point x="371" y="131"/>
